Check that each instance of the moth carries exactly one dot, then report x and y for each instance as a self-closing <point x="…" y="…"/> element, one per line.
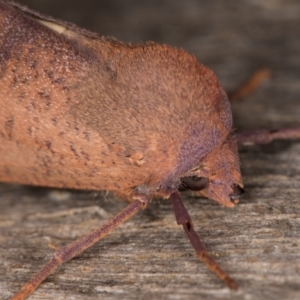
<point x="145" y="121"/>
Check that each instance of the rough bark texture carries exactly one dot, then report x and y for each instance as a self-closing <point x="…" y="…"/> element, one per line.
<point x="258" y="242"/>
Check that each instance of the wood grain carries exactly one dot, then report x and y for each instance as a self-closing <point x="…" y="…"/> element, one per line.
<point x="258" y="242"/>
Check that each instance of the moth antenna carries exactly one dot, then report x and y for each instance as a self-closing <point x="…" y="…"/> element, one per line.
<point x="183" y="218"/>
<point x="75" y="248"/>
<point x="262" y="136"/>
<point x="250" y="85"/>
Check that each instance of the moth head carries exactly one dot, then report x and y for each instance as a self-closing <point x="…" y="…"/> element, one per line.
<point x="218" y="176"/>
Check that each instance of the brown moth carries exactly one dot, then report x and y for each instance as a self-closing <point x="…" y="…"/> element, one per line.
<point x="83" y="111"/>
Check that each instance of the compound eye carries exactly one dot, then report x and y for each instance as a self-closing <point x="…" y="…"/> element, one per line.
<point x="193" y="183"/>
<point x="238" y="192"/>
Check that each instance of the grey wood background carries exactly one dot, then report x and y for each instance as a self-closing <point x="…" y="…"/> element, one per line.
<point x="257" y="242"/>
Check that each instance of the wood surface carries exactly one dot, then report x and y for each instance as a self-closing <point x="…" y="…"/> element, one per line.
<point x="257" y="242"/>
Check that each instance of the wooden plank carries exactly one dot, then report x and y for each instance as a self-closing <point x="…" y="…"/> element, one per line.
<point x="258" y="242"/>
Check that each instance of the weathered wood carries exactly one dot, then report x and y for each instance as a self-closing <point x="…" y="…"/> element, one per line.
<point x="258" y="242"/>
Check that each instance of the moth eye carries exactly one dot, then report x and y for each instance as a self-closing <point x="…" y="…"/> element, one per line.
<point x="237" y="192"/>
<point x="193" y="183"/>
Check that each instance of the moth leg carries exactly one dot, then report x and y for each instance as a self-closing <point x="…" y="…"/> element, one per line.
<point x="262" y="136"/>
<point x="183" y="218"/>
<point x="250" y="85"/>
<point x="75" y="248"/>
